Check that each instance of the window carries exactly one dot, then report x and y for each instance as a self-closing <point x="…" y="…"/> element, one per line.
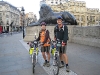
<point x="97" y="18"/>
<point x="0" y="18"/>
<point x="7" y="21"/>
<point x="52" y="2"/>
<point x="0" y="7"/>
<point x="87" y="18"/>
<point x="0" y="14"/>
<point x="7" y="16"/>
<point x="56" y="2"/>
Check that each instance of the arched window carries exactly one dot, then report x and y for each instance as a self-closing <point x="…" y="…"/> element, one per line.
<point x="7" y="22"/>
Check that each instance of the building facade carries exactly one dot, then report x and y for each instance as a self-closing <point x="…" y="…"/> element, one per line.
<point x="53" y="2"/>
<point x="9" y="17"/>
<point x="42" y="2"/>
<point x="30" y="18"/>
<point x="85" y="16"/>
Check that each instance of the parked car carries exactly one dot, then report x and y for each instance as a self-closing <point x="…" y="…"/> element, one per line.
<point x="5" y="31"/>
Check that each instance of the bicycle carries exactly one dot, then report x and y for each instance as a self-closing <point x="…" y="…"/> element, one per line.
<point x="33" y="51"/>
<point x="56" y="59"/>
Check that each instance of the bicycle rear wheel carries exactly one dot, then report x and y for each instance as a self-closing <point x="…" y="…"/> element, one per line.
<point x="56" y="66"/>
<point x="34" y="62"/>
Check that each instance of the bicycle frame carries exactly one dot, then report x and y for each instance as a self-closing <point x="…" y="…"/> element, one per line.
<point x="34" y="54"/>
<point x="56" y="48"/>
<point x="33" y="51"/>
<point x="56" y="60"/>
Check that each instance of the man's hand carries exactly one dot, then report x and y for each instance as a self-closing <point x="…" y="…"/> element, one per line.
<point x="54" y="38"/>
<point x="41" y="44"/>
<point x="63" y="44"/>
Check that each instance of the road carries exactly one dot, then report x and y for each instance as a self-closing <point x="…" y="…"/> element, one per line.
<point x="15" y="60"/>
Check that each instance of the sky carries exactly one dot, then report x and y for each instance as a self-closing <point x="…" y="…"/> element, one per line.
<point x="34" y="5"/>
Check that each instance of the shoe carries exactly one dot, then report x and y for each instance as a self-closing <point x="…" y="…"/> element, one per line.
<point x="61" y="65"/>
<point x="44" y="64"/>
<point x="67" y="69"/>
<point x="48" y="64"/>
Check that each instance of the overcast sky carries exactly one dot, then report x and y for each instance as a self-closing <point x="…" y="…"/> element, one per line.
<point x="34" y="5"/>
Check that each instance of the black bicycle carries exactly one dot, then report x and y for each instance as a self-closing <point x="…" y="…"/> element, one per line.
<point x="33" y="51"/>
<point x="34" y="55"/>
<point x="56" y="59"/>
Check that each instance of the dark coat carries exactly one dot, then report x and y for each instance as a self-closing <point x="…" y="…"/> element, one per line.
<point x="61" y="34"/>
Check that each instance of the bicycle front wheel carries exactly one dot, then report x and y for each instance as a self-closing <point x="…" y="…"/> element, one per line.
<point x="33" y="68"/>
<point x="56" y="66"/>
<point x="34" y="62"/>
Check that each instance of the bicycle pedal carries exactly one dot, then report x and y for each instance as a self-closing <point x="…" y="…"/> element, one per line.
<point x="54" y="64"/>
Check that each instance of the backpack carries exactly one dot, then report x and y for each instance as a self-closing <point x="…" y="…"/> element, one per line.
<point x="49" y="35"/>
<point x="61" y="28"/>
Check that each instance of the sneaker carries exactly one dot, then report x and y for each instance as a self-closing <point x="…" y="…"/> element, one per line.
<point x="61" y="65"/>
<point x="67" y="69"/>
<point x="44" y="64"/>
<point x="48" y="64"/>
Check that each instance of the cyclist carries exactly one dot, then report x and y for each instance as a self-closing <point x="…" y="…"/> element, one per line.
<point x="61" y="33"/>
<point x="44" y="38"/>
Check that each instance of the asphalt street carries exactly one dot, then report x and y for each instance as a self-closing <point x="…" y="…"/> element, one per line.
<point x="15" y="60"/>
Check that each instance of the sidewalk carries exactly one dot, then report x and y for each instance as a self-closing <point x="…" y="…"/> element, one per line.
<point x="83" y="60"/>
<point x="14" y="58"/>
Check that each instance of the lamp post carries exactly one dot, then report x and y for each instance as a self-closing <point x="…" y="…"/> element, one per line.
<point x="22" y="13"/>
<point x="11" y="26"/>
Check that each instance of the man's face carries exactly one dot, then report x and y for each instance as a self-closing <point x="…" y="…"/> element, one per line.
<point x="59" y="21"/>
<point x="43" y="27"/>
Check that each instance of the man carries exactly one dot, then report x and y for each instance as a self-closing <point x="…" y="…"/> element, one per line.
<point x="44" y="38"/>
<point x="61" y="33"/>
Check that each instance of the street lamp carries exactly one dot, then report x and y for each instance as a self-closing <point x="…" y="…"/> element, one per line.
<point x="11" y="26"/>
<point x="22" y="13"/>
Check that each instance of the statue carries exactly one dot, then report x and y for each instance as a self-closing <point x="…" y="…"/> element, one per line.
<point x="50" y="17"/>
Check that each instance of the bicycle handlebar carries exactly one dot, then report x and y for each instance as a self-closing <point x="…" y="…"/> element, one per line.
<point x="56" y="44"/>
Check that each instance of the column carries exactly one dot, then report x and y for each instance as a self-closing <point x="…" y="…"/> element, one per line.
<point x="95" y="20"/>
<point x="80" y="20"/>
<point x="85" y="19"/>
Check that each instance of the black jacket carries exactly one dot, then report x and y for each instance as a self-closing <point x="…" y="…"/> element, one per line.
<point x="62" y="33"/>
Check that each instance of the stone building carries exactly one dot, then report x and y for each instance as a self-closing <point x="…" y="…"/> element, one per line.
<point x="9" y="14"/>
<point x="30" y="18"/>
<point x="53" y="2"/>
<point x="85" y="16"/>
